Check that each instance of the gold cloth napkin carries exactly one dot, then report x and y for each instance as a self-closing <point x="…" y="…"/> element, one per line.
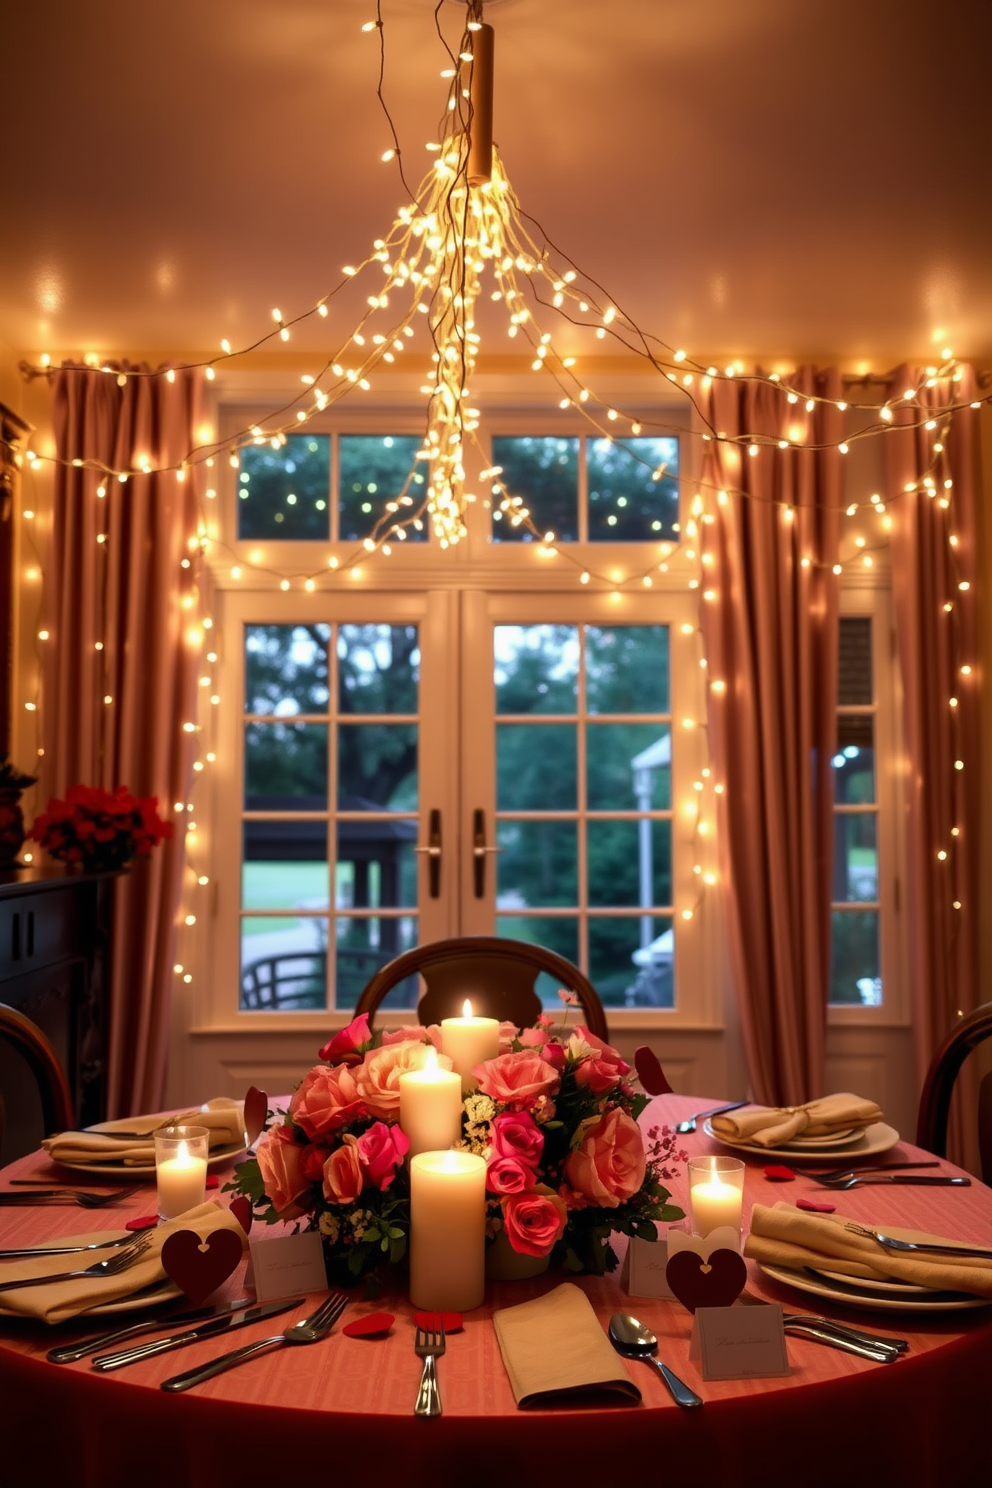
<point x="555" y="1346"/>
<point x="65" y="1299"/>
<point x="785" y="1236"/>
<point x="224" y="1119"/>
<point x="775" y="1125"/>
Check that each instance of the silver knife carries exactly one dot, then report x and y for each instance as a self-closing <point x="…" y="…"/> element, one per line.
<point x="843" y="1342"/>
<point x="69" y="1353"/>
<point x="945" y="1181"/>
<point x="117" y="1360"/>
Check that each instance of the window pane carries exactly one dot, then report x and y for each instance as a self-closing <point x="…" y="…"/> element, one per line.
<point x="377" y="767"/>
<point x="628" y="766"/>
<point x="364" y="945"/>
<point x="284" y="865"/>
<point x="544" y="472"/>
<point x="537" y="864"/>
<point x="630" y="863"/>
<point x="536" y="668"/>
<point x="283" y="493"/>
<point x="855" y="972"/>
<point x="535" y="767"/>
<point x="854" y="762"/>
<point x="283" y="963"/>
<point x="373" y="470"/>
<point x="286" y="668"/>
<point x="626" y="502"/>
<point x="627" y="669"/>
<point x="855" y="857"/>
<point x="376" y="865"/>
<point x="855" y="680"/>
<point x="631" y="961"/>
<point x="378" y="668"/>
<point x="560" y="935"/>
<point x="286" y="766"/>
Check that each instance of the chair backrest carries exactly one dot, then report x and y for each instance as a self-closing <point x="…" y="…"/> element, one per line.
<point x="27" y="1039"/>
<point x="935" y="1102"/>
<point x="497" y="975"/>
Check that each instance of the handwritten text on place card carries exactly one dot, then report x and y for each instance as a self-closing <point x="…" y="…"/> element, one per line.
<point x="739" y="1342"/>
<point x="288" y="1265"/>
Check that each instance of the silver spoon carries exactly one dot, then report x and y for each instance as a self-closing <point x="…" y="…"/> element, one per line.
<point x="689" y="1124"/>
<point x="634" y="1341"/>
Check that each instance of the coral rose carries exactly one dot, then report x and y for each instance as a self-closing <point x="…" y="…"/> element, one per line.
<point x="517" y="1134"/>
<point x="378" y="1076"/>
<point x="380" y="1150"/>
<point x="327" y="1100"/>
<point x="508" y="1175"/>
<point x="343" y="1173"/>
<point x="280" y="1162"/>
<point x="606" y="1165"/>
<point x="534" y="1221"/>
<point x="348" y="1044"/>
<point x="516" y="1079"/>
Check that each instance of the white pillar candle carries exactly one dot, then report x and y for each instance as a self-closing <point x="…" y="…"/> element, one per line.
<point x="447" y="1231"/>
<point x="469" y="1041"/>
<point x="181" y="1168"/>
<point x="431" y="1106"/>
<point x="715" y="1203"/>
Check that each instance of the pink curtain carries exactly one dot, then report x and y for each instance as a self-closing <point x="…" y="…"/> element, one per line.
<point x="769" y="622"/>
<point x="113" y="716"/>
<point x="937" y="634"/>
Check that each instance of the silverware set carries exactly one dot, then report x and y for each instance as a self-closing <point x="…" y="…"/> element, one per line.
<point x="111" y="1266"/>
<point x="310" y="1330"/>
<point x="689" y="1124"/>
<point x="429" y="1345"/>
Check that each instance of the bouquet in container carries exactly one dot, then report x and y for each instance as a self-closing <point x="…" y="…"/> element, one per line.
<point x="554" y="1116"/>
<point x="100" y="829"/>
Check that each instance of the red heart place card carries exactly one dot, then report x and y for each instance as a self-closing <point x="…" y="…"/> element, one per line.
<point x="198" y="1266"/>
<point x="256" y="1114"/>
<point x="714" y="1280"/>
<point x="649" y="1071"/>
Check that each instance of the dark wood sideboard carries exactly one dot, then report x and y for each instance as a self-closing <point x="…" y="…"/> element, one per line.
<point x="55" y="933"/>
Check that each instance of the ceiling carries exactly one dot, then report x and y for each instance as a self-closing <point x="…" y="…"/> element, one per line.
<point x="754" y="178"/>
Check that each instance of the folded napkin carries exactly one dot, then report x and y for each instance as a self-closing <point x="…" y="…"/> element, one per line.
<point x="785" y="1236"/>
<point x="556" y="1346"/>
<point x="224" y="1119"/>
<point x="773" y="1126"/>
<point x="65" y="1299"/>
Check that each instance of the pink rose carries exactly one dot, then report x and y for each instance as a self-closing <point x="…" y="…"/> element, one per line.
<point x="280" y="1160"/>
<point x="554" y="1054"/>
<point x="378" y="1076"/>
<point x="508" y="1175"/>
<point x="605" y="1052"/>
<point x="343" y="1173"/>
<point x="515" y="1079"/>
<point x="430" y="1035"/>
<point x="348" y="1044"/>
<point x="597" y="1074"/>
<point x="328" y="1098"/>
<point x="534" y="1221"/>
<point x="533" y="1038"/>
<point x="380" y="1150"/>
<point x="606" y="1166"/>
<point x="516" y="1134"/>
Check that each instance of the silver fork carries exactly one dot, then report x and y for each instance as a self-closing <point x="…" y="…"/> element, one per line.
<point x="112" y="1266"/>
<point x="890" y="1243"/>
<point x="429" y="1345"/>
<point x="47" y="1196"/>
<point x="309" y="1330"/>
<point x="27" y="1251"/>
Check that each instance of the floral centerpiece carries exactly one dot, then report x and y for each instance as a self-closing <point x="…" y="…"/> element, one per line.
<point x="100" y="829"/>
<point x="554" y="1116"/>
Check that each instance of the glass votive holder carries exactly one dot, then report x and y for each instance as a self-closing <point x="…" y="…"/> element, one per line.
<point x="716" y="1193"/>
<point x="181" y="1168"/>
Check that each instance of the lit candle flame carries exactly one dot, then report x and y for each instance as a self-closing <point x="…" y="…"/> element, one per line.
<point x="466" y="1009"/>
<point x="430" y="1059"/>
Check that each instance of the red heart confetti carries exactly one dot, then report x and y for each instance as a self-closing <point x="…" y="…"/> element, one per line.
<point x="453" y="1321"/>
<point x="256" y="1112"/>
<point x="240" y="1207"/>
<point x="650" y="1072"/>
<point x="779" y="1173"/>
<point x="199" y="1266"/>
<point x="373" y="1325"/>
<point x="146" y="1222"/>
<point x="815" y="1208"/>
<point x="212" y="1181"/>
<point x="716" y="1282"/>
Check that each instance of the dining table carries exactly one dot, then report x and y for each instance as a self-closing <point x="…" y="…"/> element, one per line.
<point x="343" y="1407"/>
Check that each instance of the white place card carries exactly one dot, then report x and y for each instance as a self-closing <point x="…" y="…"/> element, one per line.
<point x="287" y="1265"/>
<point x="643" y="1273"/>
<point x="739" y="1342"/>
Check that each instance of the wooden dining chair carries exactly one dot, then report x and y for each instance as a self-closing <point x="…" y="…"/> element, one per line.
<point x="935" y="1101"/>
<point x="32" y="1047"/>
<point x="496" y="975"/>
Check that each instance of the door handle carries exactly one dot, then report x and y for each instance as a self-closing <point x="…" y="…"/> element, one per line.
<point x="433" y="851"/>
<point x="479" y="851"/>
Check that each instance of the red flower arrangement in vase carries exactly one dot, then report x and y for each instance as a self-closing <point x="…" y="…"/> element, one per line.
<point x="100" y="830"/>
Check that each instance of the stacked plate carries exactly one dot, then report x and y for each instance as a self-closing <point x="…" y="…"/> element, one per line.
<point x="218" y="1155"/>
<point x="854" y="1144"/>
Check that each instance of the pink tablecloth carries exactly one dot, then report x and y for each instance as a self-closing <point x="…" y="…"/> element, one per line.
<point x="345" y="1406"/>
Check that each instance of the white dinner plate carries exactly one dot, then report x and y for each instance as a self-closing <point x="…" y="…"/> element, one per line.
<point x="878" y="1138"/>
<point x="218" y="1157"/>
<point x="885" y="1287"/>
<point x="160" y="1291"/>
<point x="833" y="1139"/>
<point x="854" y="1296"/>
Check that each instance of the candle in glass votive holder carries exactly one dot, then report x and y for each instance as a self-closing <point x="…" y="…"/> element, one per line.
<point x="431" y="1105"/>
<point x="469" y="1041"/>
<point x="447" y="1231"/>
<point x="716" y="1193"/>
<point x="181" y="1168"/>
